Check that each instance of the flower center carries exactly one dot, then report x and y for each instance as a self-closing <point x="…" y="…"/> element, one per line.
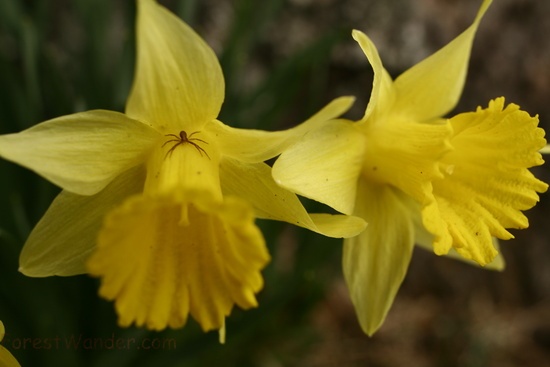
<point x="183" y="163"/>
<point x="183" y="138"/>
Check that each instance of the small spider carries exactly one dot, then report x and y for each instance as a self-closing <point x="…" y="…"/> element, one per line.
<point x="182" y="139"/>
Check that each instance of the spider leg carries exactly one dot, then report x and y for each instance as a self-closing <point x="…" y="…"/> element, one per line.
<point x="172" y="149"/>
<point x="199" y="148"/>
<point x="197" y="139"/>
<point x="169" y="141"/>
<point x="182" y="139"/>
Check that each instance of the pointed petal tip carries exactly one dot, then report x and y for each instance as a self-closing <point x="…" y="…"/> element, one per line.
<point x="433" y="87"/>
<point x="370" y="333"/>
<point x="345" y="102"/>
<point x="32" y="272"/>
<point x="370" y="328"/>
<point x="357" y="33"/>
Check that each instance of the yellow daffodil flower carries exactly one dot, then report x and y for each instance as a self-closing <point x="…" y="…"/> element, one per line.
<point x="6" y="358"/>
<point x="168" y="192"/>
<point x="414" y="176"/>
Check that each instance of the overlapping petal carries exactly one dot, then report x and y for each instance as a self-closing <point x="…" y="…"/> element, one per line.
<point x="487" y="182"/>
<point x="432" y="87"/>
<point x="81" y="152"/>
<point x="326" y="162"/>
<point x="253" y="181"/>
<point x="178" y="82"/>
<point x="329" y="174"/>
<point x="258" y="146"/>
<point x="375" y="262"/>
<point x="64" y="238"/>
<point x="159" y="269"/>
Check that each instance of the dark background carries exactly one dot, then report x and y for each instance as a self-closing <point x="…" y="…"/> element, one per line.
<point x="283" y="60"/>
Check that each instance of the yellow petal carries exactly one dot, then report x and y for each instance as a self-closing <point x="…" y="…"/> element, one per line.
<point x="383" y="94"/>
<point x="432" y="87"/>
<point x="487" y="182"/>
<point x="63" y="239"/>
<point x="258" y="146"/>
<point x="6" y="358"/>
<point x="270" y="201"/>
<point x="324" y="165"/>
<point x="178" y="82"/>
<point x="376" y="261"/>
<point x="159" y="269"/>
<point x="81" y="152"/>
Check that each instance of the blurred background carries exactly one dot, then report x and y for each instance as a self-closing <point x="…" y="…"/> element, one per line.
<point x="282" y="60"/>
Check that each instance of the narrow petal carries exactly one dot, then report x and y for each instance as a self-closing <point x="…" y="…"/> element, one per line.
<point x="432" y="87"/>
<point x="64" y="238"/>
<point x="81" y="152"/>
<point x="258" y="146"/>
<point x="159" y="269"/>
<point x="487" y="182"/>
<point x="376" y="261"/>
<point x="178" y="83"/>
<point x="382" y="95"/>
<point x="270" y="201"/>
<point x="324" y="165"/>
